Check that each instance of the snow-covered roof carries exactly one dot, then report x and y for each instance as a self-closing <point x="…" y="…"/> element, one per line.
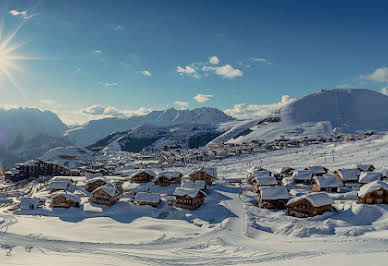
<point x="327" y="181"/>
<point x="282" y="170"/>
<point x="58" y="184"/>
<point x="212" y="171"/>
<point x="274" y="193"/>
<point x="169" y="175"/>
<point x="318" y="199"/>
<point x="191" y="192"/>
<point x="97" y="178"/>
<point x="109" y="188"/>
<point x="147" y="197"/>
<point x="199" y="184"/>
<point x="384" y="172"/>
<point x="149" y="172"/>
<point x="262" y="172"/>
<point x="68" y="195"/>
<point x="25" y="203"/>
<point x="373" y="186"/>
<point x="317" y="170"/>
<point x="349" y="174"/>
<point x="62" y="178"/>
<point x="302" y="175"/>
<point x="12" y="171"/>
<point x="265" y="180"/>
<point x="362" y="167"/>
<point x="367" y="177"/>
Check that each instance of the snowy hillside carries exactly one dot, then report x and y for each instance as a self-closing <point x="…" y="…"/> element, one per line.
<point x="67" y="156"/>
<point x="154" y="138"/>
<point x="337" y="111"/>
<point x="95" y="130"/>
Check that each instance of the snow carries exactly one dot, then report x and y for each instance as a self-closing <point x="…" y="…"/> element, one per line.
<point x="208" y="170"/>
<point x="362" y="167"/>
<point x="68" y="195"/>
<point x="26" y="203"/>
<point x="327" y="181"/>
<point x="317" y="199"/>
<point x="373" y="186"/>
<point x="169" y="175"/>
<point x="95" y="130"/>
<point x="367" y="177"/>
<point x="94" y="179"/>
<point x="274" y="193"/>
<point x="199" y="184"/>
<point x="317" y="170"/>
<point x="109" y="188"/>
<point x="349" y="174"/>
<point x="191" y="192"/>
<point x="265" y="180"/>
<point x="302" y="175"/>
<point x="147" y="197"/>
<point x="149" y="172"/>
<point x="62" y="185"/>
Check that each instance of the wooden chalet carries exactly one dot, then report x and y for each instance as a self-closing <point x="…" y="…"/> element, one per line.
<point x="105" y="195"/>
<point x="374" y="193"/>
<point x="347" y="176"/>
<point x="302" y="176"/>
<point x="64" y="199"/>
<point x="368" y="177"/>
<point x="257" y="171"/>
<point x="145" y="198"/>
<point x="208" y="174"/>
<point x="285" y="171"/>
<point x="327" y="183"/>
<point x="317" y="170"/>
<point x="263" y="180"/>
<point x="142" y="176"/>
<point x="273" y="197"/>
<point x="189" y="198"/>
<point x="94" y="183"/>
<point x="167" y="178"/>
<point x="309" y="205"/>
<point x="365" y="167"/>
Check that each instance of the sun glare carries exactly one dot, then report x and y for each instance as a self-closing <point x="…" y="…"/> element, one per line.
<point x="9" y="57"/>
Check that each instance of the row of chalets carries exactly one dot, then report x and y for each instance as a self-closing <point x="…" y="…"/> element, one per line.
<point x="190" y="195"/>
<point x="273" y="192"/>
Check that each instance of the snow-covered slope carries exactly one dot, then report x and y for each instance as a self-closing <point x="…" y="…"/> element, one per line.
<point x="67" y="156"/>
<point x="95" y="130"/>
<point x="324" y="113"/>
<point x="154" y="138"/>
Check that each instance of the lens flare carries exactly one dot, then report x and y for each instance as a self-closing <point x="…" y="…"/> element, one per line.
<point x="9" y="57"/>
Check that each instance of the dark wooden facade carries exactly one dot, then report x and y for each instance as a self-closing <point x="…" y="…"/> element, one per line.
<point x="379" y="196"/>
<point x="303" y="208"/>
<point x="201" y="175"/>
<point x="166" y="181"/>
<point x="142" y="177"/>
<point x="187" y="202"/>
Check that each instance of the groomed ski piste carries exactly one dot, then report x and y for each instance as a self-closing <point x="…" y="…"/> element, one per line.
<point x="228" y="229"/>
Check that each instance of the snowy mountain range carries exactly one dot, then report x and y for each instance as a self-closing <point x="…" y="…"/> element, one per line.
<point x="95" y="130"/>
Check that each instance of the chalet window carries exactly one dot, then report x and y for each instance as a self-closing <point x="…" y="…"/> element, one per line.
<point x="369" y="200"/>
<point x="379" y="193"/>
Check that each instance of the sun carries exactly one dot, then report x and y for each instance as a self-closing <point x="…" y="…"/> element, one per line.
<point x="9" y="58"/>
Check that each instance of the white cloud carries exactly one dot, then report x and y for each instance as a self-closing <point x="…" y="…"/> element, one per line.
<point x="18" y="13"/>
<point x="226" y="71"/>
<point x="380" y="75"/>
<point x="108" y="84"/>
<point x="48" y="101"/>
<point x="384" y="91"/>
<point x="201" y="98"/>
<point x="181" y="103"/>
<point x="145" y="73"/>
<point x="101" y="111"/>
<point x="119" y="28"/>
<point x="214" y="60"/>
<point x="246" y="111"/>
<point x="97" y="52"/>
<point x="188" y="70"/>
<point x="260" y="60"/>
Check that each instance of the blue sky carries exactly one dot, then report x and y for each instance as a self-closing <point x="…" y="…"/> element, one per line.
<point x="102" y="58"/>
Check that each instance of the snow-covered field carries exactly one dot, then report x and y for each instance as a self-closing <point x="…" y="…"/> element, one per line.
<point x="229" y="229"/>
